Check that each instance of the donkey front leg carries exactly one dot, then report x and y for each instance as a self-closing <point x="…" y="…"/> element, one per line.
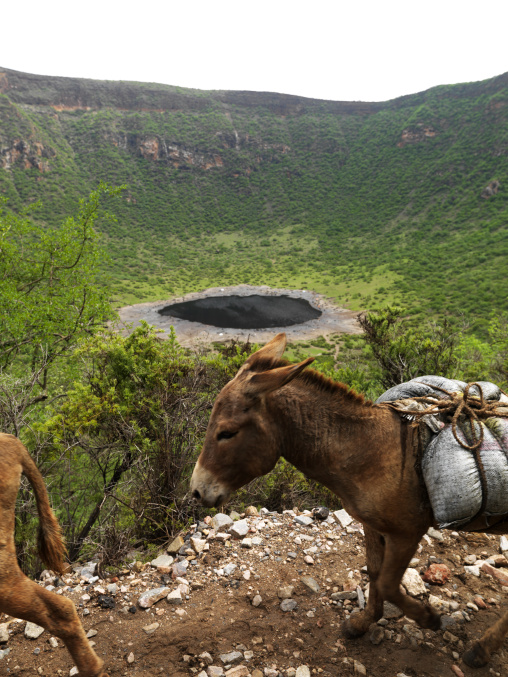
<point x="398" y="553"/>
<point x="479" y="654"/>
<point x="358" y="624"/>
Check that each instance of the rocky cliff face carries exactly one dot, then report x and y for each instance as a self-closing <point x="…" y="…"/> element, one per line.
<point x="159" y="149"/>
<point x="28" y="154"/>
<point x="416" y="134"/>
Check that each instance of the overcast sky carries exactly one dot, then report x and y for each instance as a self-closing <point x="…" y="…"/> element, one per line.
<point x="370" y="50"/>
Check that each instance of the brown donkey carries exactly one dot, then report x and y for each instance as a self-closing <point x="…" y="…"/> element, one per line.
<point x="19" y="596"/>
<point x="359" y="450"/>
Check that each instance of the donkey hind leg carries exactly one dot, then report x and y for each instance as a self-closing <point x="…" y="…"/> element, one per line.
<point x="25" y="599"/>
<point x="479" y="654"/>
<point x="398" y="553"/>
<point x="358" y="624"/>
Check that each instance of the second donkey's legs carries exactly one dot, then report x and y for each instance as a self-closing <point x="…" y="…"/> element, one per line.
<point x="22" y="598"/>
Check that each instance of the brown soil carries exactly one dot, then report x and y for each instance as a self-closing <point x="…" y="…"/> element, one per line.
<point x="219" y="616"/>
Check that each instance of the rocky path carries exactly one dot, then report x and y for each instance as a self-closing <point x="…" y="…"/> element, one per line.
<point x="264" y="595"/>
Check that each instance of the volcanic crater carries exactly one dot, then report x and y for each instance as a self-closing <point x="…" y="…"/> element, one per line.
<point x="242" y="311"/>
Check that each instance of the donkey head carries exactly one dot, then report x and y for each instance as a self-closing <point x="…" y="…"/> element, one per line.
<point x="242" y="441"/>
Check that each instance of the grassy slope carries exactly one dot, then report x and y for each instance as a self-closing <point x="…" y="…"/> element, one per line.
<point x="320" y="199"/>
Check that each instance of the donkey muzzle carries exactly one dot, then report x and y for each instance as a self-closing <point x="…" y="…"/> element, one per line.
<point x="207" y="489"/>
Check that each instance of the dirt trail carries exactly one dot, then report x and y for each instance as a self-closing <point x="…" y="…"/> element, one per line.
<point x="233" y="604"/>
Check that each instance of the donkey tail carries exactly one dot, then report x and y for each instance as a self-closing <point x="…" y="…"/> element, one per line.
<point x="50" y="543"/>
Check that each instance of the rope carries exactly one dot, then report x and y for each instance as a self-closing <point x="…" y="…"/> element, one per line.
<point x="465" y="404"/>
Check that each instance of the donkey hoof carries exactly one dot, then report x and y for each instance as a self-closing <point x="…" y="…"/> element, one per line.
<point x="475" y="657"/>
<point x="431" y="620"/>
<point x="350" y="631"/>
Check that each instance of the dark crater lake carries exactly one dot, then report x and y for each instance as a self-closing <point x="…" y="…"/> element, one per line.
<point x="244" y="312"/>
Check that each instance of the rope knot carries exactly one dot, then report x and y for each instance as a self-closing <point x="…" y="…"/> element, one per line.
<point x="465" y="406"/>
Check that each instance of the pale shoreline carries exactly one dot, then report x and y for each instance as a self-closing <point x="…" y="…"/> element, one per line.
<point x="334" y="319"/>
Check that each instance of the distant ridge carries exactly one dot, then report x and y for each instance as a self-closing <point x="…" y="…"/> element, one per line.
<point x="42" y="90"/>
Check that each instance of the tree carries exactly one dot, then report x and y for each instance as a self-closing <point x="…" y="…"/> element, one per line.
<point x="403" y="351"/>
<point x="51" y="294"/>
<point x="130" y="429"/>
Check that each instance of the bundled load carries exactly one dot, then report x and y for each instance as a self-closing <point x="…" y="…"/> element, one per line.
<point x="464" y="434"/>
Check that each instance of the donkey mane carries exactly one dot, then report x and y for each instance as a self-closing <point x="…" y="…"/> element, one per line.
<point x="312" y="378"/>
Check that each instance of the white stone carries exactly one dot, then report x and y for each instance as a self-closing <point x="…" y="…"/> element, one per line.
<point x="73" y="671"/>
<point x="231" y="657"/>
<point x="162" y="561"/>
<point x="285" y="591"/>
<point x="257" y="600"/>
<point x="238" y="671"/>
<point x="215" y="671"/>
<point x="247" y="543"/>
<point x="4" y="633"/>
<point x="269" y="672"/>
<point x="434" y="533"/>
<point x="33" y="631"/>
<point x="310" y="583"/>
<point x="302" y="671"/>
<point x="439" y="604"/>
<point x="239" y="529"/>
<point x="503" y="544"/>
<point x="151" y="597"/>
<point x="413" y="583"/>
<point x="343" y="518"/>
<point x="359" y="668"/>
<point x="174" y="597"/>
<point x="304" y="520"/>
<point x="198" y="544"/>
<point x="221" y="521"/>
<point x="130" y="658"/>
<point x="184" y="589"/>
<point x="206" y="657"/>
<point x="474" y="570"/>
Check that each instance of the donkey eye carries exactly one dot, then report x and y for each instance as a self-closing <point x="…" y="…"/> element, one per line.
<point x="225" y="435"/>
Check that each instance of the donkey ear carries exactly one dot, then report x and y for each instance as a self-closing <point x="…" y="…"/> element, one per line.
<point x="268" y="381"/>
<point x="273" y="349"/>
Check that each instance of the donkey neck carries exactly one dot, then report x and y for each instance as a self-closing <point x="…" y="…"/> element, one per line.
<point x="324" y="429"/>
